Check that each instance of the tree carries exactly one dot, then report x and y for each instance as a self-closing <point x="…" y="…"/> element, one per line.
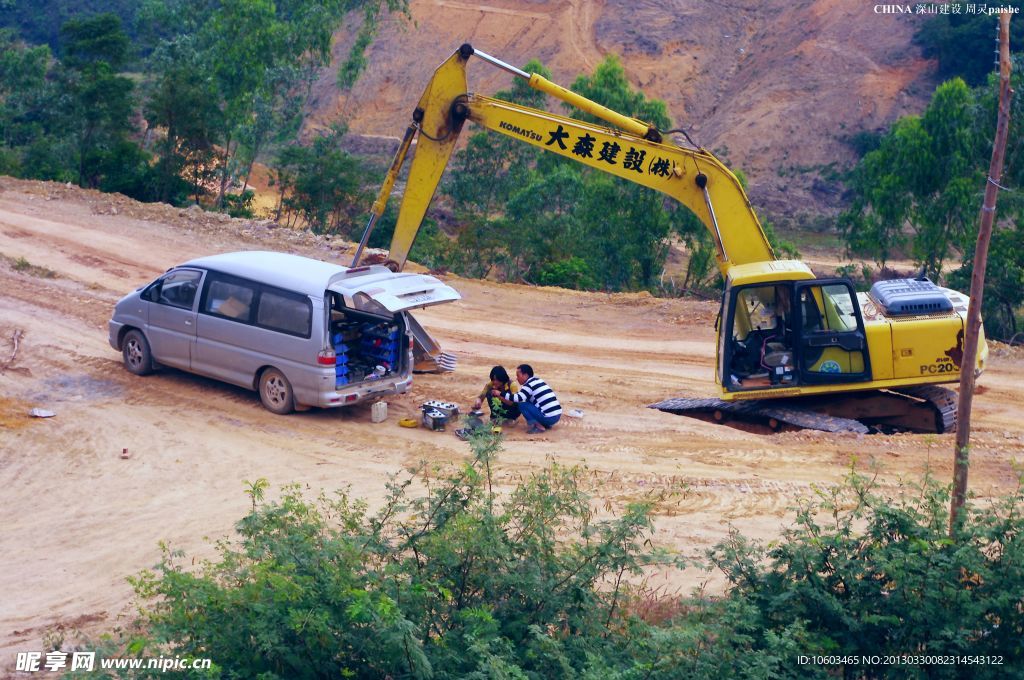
<point x="29" y="102"/>
<point x="1004" y="281"/>
<point x="319" y="181"/>
<point x="924" y="176"/>
<point x="544" y="216"/>
<point x="920" y="190"/>
<point x="256" y="59"/>
<point x="867" y="574"/>
<point x="93" y="50"/>
<point x="182" y="104"/>
<point x="39" y="22"/>
<point x="609" y="86"/>
<point x="277" y="117"/>
<point x="72" y="120"/>
<point x="963" y="43"/>
<point x="625" y="225"/>
<point x="623" y="232"/>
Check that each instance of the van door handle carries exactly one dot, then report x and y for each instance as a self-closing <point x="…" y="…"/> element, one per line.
<point x="188" y="322"/>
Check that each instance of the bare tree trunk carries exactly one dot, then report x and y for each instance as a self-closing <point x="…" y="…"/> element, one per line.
<point x="280" y="198"/>
<point x="248" y="174"/>
<point x="224" y="174"/>
<point x="971" y="332"/>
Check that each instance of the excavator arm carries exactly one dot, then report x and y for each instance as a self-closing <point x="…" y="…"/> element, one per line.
<point x="631" y="149"/>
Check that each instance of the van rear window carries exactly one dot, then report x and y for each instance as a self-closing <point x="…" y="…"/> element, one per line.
<point x="284" y="312"/>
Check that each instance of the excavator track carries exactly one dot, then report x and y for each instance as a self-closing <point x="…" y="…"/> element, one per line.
<point x="926" y="408"/>
<point x="942" y="401"/>
<point x="772" y="413"/>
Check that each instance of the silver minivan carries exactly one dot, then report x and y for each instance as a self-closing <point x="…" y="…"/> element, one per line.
<point x="300" y="331"/>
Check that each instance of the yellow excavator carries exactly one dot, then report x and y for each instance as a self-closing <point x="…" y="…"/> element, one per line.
<point x="792" y="348"/>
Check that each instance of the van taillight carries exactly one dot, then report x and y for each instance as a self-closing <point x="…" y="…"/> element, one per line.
<point x="327" y="357"/>
<point x="412" y="343"/>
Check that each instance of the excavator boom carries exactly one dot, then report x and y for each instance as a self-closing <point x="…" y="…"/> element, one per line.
<point x="633" y="150"/>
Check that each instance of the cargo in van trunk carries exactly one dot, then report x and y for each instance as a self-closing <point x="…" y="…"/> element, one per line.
<point x="366" y="349"/>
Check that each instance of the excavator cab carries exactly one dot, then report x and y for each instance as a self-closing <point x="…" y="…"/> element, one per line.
<point x="789" y="333"/>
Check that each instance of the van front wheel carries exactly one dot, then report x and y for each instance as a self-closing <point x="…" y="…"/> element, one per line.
<point x="137" y="357"/>
<point x="276" y="392"/>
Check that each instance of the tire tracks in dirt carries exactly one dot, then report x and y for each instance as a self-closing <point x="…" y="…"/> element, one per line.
<point x="580" y="30"/>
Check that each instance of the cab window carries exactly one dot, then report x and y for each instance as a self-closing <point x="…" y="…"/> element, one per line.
<point x="832" y="341"/>
<point x="839" y="313"/>
<point x="176" y="289"/>
<point x="761" y="351"/>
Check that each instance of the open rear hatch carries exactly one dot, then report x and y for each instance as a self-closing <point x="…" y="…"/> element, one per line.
<point x="382" y="293"/>
<point x="378" y="290"/>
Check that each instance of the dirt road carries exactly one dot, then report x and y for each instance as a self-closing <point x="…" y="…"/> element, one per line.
<point x="77" y="518"/>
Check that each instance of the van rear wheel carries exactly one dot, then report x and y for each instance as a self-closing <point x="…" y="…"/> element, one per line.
<point x="138" y="358"/>
<point x="276" y="392"/>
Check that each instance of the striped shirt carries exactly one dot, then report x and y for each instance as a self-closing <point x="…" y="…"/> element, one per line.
<point x="537" y="392"/>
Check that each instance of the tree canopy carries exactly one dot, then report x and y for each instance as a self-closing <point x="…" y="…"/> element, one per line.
<point x="256" y="59"/>
<point x="963" y="42"/>
<point x="920" y="191"/>
<point x="214" y="84"/>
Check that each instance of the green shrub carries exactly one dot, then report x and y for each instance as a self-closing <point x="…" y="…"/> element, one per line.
<point x="240" y="205"/>
<point x="867" y="575"/>
<point x="450" y="580"/>
<point x="572" y="272"/>
<point x="449" y="584"/>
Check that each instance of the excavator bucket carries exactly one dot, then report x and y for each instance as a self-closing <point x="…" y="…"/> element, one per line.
<point x="427" y="355"/>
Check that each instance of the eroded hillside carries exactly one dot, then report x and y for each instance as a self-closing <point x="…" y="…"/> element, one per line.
<point x="776" y="85"/>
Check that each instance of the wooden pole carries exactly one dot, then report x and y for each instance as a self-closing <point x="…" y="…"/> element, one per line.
<point x="961" y="453"/>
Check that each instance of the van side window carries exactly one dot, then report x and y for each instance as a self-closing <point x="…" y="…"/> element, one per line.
<point x="230" y="298"/>
<point x="177" y="289"/>
<point x="286" y="312"/>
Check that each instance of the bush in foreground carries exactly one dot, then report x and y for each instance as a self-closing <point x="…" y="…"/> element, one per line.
<point x="451" y="580"/>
